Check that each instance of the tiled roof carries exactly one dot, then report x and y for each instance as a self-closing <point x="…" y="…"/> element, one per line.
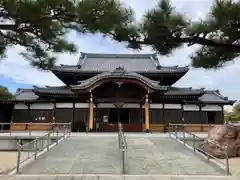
<point x="25" y="95"/>
<point x="109" y="62"/>
<point x="213" y="97"/>
<point x="63" y="90"/>
<point x="162" y="69"/>
<point x="173" y="91"/>
<point x="205" y="96"/>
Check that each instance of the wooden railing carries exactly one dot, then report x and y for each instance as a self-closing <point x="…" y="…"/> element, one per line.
<point x="188" y="127"/>
<point x="32" y="127"/>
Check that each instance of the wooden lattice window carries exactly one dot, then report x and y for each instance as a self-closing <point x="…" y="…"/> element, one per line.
<point x="44" y="116"/>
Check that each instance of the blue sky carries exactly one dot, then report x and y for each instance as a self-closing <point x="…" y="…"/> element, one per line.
<point x="11" y="84"/>
<point x="15" y="71"/>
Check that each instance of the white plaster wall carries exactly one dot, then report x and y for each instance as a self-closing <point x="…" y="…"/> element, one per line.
<point x="106" y="105"/>
<point x="212" y="108"/>
<point x="172" y="106"/>
<point x="190" y="107"/>
<point x="64" y="105"/>
<point x="156" y="106"/>
<point x="81" y="105"/>
<point x="20" y="106"/>
<point x="42" y="106"/>
<point x="132" y="105"/>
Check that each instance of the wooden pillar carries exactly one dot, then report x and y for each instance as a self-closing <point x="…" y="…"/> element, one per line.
<point x="163" y="119"/>
<point x="54" y="113"/>
<point x="73" y="112"/>
<point x="200" y="111"/>
<point x="163" y="113"/>
<point x="91" y="105"/>
<point x="29" y="117"/>
<point x="97" y="123"/>
<point x="147" y="125"/>
<point x="182" y="114"/>
<point x="28" y="112"/>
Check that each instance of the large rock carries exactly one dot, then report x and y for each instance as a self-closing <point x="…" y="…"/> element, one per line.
<point x="222" y="139"/>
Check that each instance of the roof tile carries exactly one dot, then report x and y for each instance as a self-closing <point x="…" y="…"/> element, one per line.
<point x="212" y="96"/>
<point x="25" y="94"/>
<point x="64" y="90"/>
<point x="109" y="62"/>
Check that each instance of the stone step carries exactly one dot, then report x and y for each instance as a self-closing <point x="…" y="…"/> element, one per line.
<point x="115" y="177"/>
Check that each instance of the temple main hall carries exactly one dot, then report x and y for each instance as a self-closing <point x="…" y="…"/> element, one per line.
<point x="104" y="89"/>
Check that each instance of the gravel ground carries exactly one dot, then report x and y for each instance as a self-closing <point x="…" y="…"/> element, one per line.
<point x="8" y="160"/>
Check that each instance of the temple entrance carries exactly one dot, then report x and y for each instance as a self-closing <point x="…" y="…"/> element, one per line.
<point x="113" y="116"/>
<point x="129" y="117"/>
<point x="118" y="115"/>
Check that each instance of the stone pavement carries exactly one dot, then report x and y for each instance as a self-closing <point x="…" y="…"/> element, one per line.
<point x="118" y="177"/>
<point x="154" y="155"/>
<point x="79" y="155"/>
<point x="91" y="157"/>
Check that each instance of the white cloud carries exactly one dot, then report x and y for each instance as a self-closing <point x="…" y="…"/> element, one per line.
<point x="225" y="79"/>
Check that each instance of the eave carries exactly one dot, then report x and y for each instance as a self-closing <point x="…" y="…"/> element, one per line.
<point x="76" y="70"/>
<point x="119" y="76"/>
<point x="229" y="102"/>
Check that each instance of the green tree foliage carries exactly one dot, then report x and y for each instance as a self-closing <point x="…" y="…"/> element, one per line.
<point x="218" y="35"/>
<point x="41" y="25"/>
<point x="235" y="114"/>
<point x="5" y="95"/>
<point x="221" y="35"/>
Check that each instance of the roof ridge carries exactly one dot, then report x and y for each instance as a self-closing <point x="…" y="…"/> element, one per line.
<point x="52" y="87"/>
<point x="82" y="59"/>
<point x="175" y="66"/>
<point x="18" y="91"/>
<point x="217" y="93"/>
<point x="186" y="88"/>
<point x="21" y="90"/>
<point x="118" y="54"/>
<point x="67" y="65"/>
<point x="155" y="61"/>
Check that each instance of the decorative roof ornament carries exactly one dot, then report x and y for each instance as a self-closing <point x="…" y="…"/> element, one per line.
<point x="120" y="70"/>
<point x="119" y="83"/>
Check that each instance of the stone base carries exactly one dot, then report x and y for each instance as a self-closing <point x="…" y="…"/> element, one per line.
<point x="90" y="130"/>
<point x="147" y="131"/>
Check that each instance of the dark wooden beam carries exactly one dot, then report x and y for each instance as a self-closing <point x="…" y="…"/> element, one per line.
<point x="98" y="100"/>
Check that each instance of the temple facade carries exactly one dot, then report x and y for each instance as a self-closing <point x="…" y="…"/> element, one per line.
<point x="104" y="89"/>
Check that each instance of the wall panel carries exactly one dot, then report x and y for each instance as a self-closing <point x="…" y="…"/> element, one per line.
<point x="192" y="117"/>
<point x="173" y="116"/>
<point x="156" y="116"/>
<point x="41" y="116"/>
<point x="63" y="115"/>
<point x="21" y="116"/>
